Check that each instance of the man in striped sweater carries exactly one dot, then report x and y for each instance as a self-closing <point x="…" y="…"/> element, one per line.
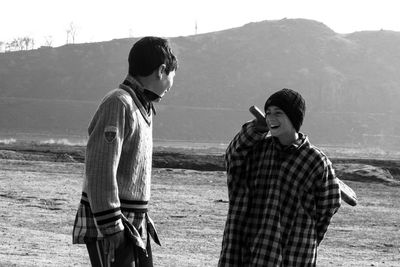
<point x="112" y="217"/>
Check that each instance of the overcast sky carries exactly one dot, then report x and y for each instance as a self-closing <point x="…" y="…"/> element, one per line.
<point x="101" y="20"/>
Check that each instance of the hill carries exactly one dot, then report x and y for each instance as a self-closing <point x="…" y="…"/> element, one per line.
<point x="350" y="82"/>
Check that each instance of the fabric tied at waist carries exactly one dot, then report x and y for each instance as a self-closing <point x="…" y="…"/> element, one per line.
<point x="135" y="206"/>
<point x="151" y="229"/>
<point x="133" y="234"/>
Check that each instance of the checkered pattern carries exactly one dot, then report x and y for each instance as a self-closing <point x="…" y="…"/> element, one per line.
<point x="281" y="201"/>
<point x="85" y="229"/>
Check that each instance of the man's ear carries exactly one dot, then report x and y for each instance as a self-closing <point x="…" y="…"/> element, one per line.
<point x="161" y="70"/>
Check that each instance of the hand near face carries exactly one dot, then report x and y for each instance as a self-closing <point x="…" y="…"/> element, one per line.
<point x="260" y="122"/>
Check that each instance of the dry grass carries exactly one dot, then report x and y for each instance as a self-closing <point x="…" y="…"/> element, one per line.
<point x="38" y="201"/>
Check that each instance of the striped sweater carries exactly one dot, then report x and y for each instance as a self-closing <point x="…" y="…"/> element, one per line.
<point x="118" y="159"/>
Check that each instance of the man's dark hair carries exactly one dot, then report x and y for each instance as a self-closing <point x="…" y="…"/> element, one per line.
<point x="148" y="54"/>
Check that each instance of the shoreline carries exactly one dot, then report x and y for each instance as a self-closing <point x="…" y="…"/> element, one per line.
<point x="347" y="167"/>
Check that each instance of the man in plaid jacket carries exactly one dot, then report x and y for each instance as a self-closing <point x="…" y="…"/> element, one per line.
<point x="282" y="190"/>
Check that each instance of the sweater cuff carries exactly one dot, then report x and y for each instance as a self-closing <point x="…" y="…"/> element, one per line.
<point x="109" y="221"/>
<point x="112" y="229"/>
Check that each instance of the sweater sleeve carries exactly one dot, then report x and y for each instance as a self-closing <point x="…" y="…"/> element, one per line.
<point x="327" y="200"/>
<point x="106" y="135"/>
<point x="237" y="151"/>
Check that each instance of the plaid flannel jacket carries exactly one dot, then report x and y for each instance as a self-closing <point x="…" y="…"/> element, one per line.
<point x="281" y="201"/>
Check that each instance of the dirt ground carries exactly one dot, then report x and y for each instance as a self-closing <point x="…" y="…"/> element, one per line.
<point x="38" y="201"/>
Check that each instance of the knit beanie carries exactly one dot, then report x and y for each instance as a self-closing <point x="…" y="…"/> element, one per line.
<point x="291" y="102"/>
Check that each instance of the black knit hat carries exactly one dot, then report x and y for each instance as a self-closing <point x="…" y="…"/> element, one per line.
<point x="291" y="102"/>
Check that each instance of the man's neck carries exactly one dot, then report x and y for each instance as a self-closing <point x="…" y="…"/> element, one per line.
<point x="287" y="140"/>
<point x="146" y="97"/>
<point x="150" y="96"/>
<point x="146" y="84"/>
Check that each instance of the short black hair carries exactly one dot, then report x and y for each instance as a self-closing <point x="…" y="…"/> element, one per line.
<point x="148" y="54"/>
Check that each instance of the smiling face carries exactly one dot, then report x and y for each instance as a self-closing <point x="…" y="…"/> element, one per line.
<point x="280" y="125"/>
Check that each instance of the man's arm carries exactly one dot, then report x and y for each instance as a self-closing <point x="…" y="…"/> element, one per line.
<point x="238" y="150"/>
<point x="327" y="200"/>
<point x="106" y="135"/>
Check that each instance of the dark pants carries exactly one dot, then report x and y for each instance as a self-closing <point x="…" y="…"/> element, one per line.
<point x="125" y="256"/>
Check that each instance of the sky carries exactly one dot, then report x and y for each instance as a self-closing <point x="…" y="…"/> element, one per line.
<point x="48" y="21"/>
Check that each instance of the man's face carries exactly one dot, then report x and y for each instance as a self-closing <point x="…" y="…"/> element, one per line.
<point x="278" y="122"/>
<point x="164" y="83"/>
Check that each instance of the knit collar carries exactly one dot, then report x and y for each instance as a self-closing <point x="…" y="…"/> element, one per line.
<point x="135" y="90"/>
<point x="142" y="93"/>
